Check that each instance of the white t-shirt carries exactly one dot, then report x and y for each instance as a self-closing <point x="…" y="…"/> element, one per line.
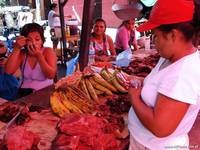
<point x="53" y="21"/>
<point x="20" y="19"/>
<point x="180" y="81"/>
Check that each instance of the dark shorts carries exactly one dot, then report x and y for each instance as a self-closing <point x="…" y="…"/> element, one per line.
<point x="53" y="35"/>
<point x="119" y="51"/>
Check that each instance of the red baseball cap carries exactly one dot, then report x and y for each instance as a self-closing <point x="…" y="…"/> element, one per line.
<point x="168" y="12"/>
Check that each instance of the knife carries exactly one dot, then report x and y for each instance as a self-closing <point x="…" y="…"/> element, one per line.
<point x="10" y="123"/>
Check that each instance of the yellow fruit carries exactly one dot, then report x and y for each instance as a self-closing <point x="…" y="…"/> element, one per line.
<point x="97" y="78"/>
<point x="100" y="87"/>
<point x="57" y="107"/>
<point x="91" y="90"/>
<point x="111" y="78"/>
<point x="84" y="88"/>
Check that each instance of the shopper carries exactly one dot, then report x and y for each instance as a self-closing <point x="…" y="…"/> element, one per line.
<point x="165" y="108"/>
<point x="37" y="63"/>
<point x="126" y="36"/>
<point x="54" y="23"/>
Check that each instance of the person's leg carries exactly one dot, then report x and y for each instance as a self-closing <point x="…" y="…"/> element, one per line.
<point x="55" y="43"/>
<point x="54" y="39"/>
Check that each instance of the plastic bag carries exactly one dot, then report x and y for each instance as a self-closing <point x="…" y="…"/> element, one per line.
<point x="8" y="86"/>
<point x="124" y="58"/>
<point x="71" y="65"/>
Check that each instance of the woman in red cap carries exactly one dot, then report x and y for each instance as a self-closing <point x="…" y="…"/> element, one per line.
<point x="164" y="110"/>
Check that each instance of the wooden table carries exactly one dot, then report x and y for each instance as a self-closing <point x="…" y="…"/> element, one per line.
<point x="39" y="98"/>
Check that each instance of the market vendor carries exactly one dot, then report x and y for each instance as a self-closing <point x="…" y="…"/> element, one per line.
<point x="164" y="110"/>
<point x="101" y="43"/>
<point x="126" y="36"/>
<point x="37" y="63"/>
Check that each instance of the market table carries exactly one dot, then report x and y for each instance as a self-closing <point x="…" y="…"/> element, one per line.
<point x="41" y="98"/>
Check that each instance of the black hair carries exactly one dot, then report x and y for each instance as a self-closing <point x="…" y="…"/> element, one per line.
<point x="124" y="22"/>
<point x="32" y="27"/>
<point x="52" y="6"/>
<point x="99" y="20"/>
<point x="186" y="28"/>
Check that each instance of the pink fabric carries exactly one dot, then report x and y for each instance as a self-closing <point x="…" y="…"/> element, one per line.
<point x="35" y="78"/>
<point x="123" y="38"/>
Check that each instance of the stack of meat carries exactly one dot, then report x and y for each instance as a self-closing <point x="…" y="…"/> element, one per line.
<point x="142" y="67"/>
<point x="34" y="128"/>
<point x="86" y="132"/>
<point x="105" y="129"/>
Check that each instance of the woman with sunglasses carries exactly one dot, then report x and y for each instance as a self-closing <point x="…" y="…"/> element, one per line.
<point x="37" y="63"/>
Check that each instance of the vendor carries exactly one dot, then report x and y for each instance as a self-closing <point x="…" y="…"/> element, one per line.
<point x="100" y="42"/>
<point x="126" y="36"/>
<point x="164" y="110"/>
<point x="37" y="63"/>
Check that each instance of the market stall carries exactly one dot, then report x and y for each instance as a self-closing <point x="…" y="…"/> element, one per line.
<point x="86" y="110"/>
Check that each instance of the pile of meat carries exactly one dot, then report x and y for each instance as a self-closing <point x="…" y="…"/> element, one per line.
<point x="18" y="138"/>
<point x="34" y="128"/>
<point x="7" y="111"/>
<point x="86" y="132"/>
<point x="142" y="67"/>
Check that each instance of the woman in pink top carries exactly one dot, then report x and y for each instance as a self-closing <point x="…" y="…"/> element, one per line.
<point x="37" y="63"/>
<point x="126" y="36"/>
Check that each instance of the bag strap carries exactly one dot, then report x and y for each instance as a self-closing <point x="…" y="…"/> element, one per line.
<point x="23" y="68"/>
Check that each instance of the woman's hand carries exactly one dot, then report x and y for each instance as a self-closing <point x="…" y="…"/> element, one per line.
<point x="33" y="50"/>
<point x="20" y="42"/>
<point x="134" y="81"/>
<point x="134" y="93"/>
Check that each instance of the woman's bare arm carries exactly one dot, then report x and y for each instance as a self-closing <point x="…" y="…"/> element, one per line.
<point x="163" y="119"/>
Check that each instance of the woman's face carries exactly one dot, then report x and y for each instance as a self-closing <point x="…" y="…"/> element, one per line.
<point x="130" y="24"/>
<point x="163" y="43"/>
<point x="99" y="28"/>
<point x="35" y="39"/>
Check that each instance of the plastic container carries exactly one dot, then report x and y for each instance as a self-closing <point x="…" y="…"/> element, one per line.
<point x="91" y="57"/>
<point x="147" y="43"/>
<point x="67" y="31"/>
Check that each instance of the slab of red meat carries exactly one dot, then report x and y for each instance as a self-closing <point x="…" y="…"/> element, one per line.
<point x="18" y="138"/>
<point x="66" y="142"/>
<point x="91" y="130"/>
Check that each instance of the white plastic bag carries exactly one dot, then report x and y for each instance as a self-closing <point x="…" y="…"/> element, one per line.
<point x="124" y="58"/>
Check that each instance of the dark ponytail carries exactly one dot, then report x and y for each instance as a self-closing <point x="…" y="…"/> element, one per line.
<point x="196" y="23"/>
<point x="196" y="17"/>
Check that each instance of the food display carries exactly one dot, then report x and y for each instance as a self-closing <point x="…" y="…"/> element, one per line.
<point x="83" y="95"/>
<point x="88" y="110"/>
<point x="141" y="67"/>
